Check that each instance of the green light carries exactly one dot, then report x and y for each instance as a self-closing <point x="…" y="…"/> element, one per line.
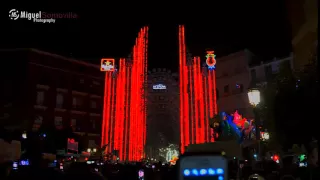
<point x="302" y="157"/>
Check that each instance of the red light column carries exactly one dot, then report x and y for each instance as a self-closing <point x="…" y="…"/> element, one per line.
<point x="138" y="101"/>
<point x="197" y="99"/>
<point x="201" y="102"/>
<point x="184" y="103"/>
<point x="124" y="111"/>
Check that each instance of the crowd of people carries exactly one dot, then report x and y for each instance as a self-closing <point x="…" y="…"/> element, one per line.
<point x="82" y="170"/>
<point x="39" y="169"/>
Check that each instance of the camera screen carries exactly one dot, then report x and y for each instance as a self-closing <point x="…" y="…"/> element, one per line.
<point x="24" y="163"/>
<point x="15" y="165"/>
<point x="203" y="168"/>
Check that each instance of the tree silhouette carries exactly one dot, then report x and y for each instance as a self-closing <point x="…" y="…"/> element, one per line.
<point x="287" y="108"/>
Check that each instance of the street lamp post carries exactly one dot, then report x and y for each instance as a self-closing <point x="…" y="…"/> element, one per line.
<point x="254" y="100"/>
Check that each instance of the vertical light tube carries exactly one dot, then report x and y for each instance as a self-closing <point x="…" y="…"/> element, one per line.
<point x="106" y="112"/>
<point x="117" y="122"/>
<point x="127" y="105"/>
<point x="201" y="102"/>
<point x="186" y="102"/>
<point x="112" y="110"/>
<point x="211" y="103"/>
<point x="181" y="82"/>
<point x="196" y="101"/>
<point x="145" y="86"/>
<point x="122" y="72"/>
<point x="205" y="106"/>
<point x="214" y="92"/>
<point x="191" y="104"/>
<point x="105" y="122"/>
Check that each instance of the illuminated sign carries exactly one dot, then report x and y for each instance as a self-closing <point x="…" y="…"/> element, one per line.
<point x="211" y="60"/>
<point x="159" y="86"/>
<point x="107" y="65"/>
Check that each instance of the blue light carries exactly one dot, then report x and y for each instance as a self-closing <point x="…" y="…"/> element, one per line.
<point x="255" y="155"/>
<point x="203" y="171"/>
<point x="44" y="135"/>
<point x="211" y="171"/>
<point x="220" y="171"/>
<point x="220" y="178"/>
<point x="195" y="172"/>
<point x="211" y="67"/>
<point x="186" y="172"/>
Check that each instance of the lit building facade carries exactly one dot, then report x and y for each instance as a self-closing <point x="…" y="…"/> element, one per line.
<point x="163" y="109"/>
<point x="197" y="97"/>
<point x="124" y="111"/>
<point x="233" y="80"/>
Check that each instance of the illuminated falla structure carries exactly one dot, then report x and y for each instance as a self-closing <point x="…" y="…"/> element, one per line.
<point x="197" y="96"/>
<point x="124" y="111"/>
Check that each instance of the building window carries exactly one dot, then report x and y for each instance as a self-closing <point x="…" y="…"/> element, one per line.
<point x="239" y="88"/>
<point x="59" y="100"/>
<point x="253" y="75"/>
<point x="40" y="98"/>
<point x="95" y="83"/>
<point x="77" y="102"/>
<point x="93" y="104"/>
<point x="73" y="122"/>
<point x="226" y="89"/>
<point x="37" y="122"/>
<point x="268" y="72"/>
<point x="91" y="143"/>
<point x="275" y="68"/>
<point x="93" y="122"/>
<point x="58" y="121"/>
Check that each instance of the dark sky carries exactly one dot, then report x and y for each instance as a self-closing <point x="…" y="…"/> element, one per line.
<point x="102" y="31"/>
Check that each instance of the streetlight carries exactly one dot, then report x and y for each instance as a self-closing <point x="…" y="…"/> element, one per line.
<point x="254" y="100"/>
<point x="254" y="96"/>
<point x="24" y="135"/>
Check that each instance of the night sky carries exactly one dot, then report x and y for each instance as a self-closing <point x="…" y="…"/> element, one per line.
<point x="110" y="31"/>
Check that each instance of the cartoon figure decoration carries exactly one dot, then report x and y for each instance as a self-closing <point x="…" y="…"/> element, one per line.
<point x="238" y="120"/>
<point x="233" y="125"/>
<point x="107" y="65"/>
